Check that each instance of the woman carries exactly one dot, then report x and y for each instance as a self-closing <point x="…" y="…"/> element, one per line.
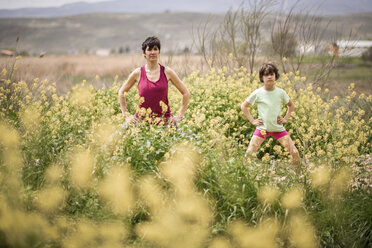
<point x="152" y="81"/>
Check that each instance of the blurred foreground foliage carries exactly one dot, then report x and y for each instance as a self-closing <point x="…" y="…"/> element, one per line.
<point x="72" y="176"/>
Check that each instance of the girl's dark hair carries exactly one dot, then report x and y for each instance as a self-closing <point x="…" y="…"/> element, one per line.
<point x="151" y="42"/>
<point x="269" y="68"/>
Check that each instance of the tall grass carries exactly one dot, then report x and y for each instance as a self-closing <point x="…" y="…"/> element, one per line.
<point x="71" y="176"/>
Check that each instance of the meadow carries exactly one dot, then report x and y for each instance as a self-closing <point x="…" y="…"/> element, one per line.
<point x="72" y="176"/>
<point x="68" y="70"/>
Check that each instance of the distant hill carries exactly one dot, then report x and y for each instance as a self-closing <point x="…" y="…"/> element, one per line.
<point x="324" y="7"/>
<point x="85" y="32"/>
<point x="107" y="30"/>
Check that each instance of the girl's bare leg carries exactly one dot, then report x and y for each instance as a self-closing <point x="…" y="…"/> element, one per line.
<point x="288" y="144"/>
<point x="254" y="144"/>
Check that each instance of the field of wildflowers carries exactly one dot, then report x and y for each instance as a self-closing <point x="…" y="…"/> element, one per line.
<point x="72" y="176"/>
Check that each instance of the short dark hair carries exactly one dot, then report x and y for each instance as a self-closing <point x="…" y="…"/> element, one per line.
<point x="151" y="42"/>
<point x="270" y="68"/>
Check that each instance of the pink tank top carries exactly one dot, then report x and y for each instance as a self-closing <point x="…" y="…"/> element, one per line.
<point x="153" y="93"/>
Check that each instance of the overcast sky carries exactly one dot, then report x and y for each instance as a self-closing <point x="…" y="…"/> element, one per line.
<point x="15" y="4"/>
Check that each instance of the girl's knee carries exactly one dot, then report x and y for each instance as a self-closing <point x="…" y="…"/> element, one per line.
<point x="250" y="150"/>
<point x="294" y="153"/>
<point x="253" y="147"/>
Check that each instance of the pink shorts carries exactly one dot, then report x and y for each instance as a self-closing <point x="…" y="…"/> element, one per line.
<point x="276" y="135"/>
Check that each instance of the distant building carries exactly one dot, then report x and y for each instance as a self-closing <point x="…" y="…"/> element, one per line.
<point x="353" y="48"/>
<point x="103" y="52"/>
<point x="310" y="49"/>
<point x="341" y="48"/>
<point x="4" y="52"/>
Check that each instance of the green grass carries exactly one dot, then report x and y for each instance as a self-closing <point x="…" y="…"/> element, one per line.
<point x="351" y="73"/>
<point x="340" y="60"/>
<point x="347" y="70"/>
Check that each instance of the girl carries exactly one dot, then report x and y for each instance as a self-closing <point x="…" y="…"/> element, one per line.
<point x="269" y="99"/>
<point x="152" y="81"/>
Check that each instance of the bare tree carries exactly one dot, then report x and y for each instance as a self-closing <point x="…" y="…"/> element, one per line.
<point x="331" y="60"/>
<point x="301" y="37"/>
<point x="215" y="44"/>
<point x="237" y="40"/>
<point x="282" y="31"/>
<point x="230" y="27"/>
<point x="252" y="20"/>
<point x="201" y="37"/>
<point x="307" y="32"/>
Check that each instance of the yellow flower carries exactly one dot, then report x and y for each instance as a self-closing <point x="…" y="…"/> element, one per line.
<point x="302" y="233"/>
<point x="148" y="111"/>
<point x="321" y="176"/>
<point x="141" y="100"/>
<point x="3" y="72"/>
<point x="116" y="189"/>
<point x="142" y="111"/>
<point x="82" y="166"/>
<point x="50" y="198"/>
<point x="268" y="194"/>
<point x="361" y="112"/>
<point x="340" y="182"/>
<point x="293" y="198"/>
<point x="163" y="106"/>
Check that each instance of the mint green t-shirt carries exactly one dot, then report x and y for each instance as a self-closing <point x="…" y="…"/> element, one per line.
<point x="269" y="106"/>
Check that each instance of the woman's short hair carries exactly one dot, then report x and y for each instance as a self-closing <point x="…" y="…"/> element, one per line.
<point x="151" y="42"/>
<point x="269" y="68"/>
